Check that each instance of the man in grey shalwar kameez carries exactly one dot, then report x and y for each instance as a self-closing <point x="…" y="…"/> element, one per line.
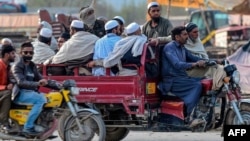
<point x="157" y="29"/>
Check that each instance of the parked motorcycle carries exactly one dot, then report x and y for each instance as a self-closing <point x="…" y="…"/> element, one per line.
<point x="215" y="108"/>
<point x="82" y="123"/>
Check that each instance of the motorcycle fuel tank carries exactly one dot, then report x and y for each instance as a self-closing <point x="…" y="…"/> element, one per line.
<point x="54" y="99"/>
<point x="206" y="85"/>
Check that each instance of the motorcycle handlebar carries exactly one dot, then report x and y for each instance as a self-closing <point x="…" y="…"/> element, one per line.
<point x="54" y="85"/>
<point x="210" y="63"/>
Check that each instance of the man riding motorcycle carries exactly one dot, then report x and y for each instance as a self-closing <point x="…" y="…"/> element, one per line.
<point x="176" y="59"/>
<point x="28" y="80"/>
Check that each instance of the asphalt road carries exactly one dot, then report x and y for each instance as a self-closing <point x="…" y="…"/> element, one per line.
<point x="169" y="136"/>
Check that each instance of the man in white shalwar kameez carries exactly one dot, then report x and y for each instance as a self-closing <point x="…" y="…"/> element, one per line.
<point x="42" y="50"/>
<point x="53" y="43"/>
<point x="127" y="51"/>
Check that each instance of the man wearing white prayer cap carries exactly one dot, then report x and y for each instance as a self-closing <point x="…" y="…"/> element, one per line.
<point x="121" y="22"/>
<point x="152" y="4"/>
<point x="127" y="51"/>
<point x="46" y="32"/>
<point x="133" y="29"/>
<point x="104" y="46"/>
<point x="157" y="29"/>
<point x="111" y="24"/>
<point x="42" y="50"/>
<point x="53" y="43"/>
<point x="75" y="26"/>
<point x="78" y="49"/>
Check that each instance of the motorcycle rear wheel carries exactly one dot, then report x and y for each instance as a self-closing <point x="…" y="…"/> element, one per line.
<point x="93" y="126"/>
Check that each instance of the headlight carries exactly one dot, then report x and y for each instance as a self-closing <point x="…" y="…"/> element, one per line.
<point x="74" y="90"/>
<point x="236" y="77"/>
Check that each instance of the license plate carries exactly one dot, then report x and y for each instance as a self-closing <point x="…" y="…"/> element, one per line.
<point x="151" y="88"/>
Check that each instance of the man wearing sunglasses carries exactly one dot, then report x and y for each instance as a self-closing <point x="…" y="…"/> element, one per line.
<point x="157" y="29"/>
<point x="28" y="79"/>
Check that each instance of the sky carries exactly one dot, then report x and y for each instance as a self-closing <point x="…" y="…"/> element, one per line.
<point x="118" y="3"/>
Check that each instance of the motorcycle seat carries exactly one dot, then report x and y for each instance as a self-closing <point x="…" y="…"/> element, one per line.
<point x="19" y="106"/>
<point x="170" y="96"/>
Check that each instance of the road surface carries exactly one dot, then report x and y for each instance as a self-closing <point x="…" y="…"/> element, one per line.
<point x="169" y="136"/>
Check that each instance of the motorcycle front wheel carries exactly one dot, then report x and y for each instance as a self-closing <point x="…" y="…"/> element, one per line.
<point x="61" y="123"/>
<point x="232" y="119"/>
<point x="93" y="126"/>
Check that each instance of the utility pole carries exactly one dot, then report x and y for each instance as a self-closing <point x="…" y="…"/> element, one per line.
<point x="169" y="6"/>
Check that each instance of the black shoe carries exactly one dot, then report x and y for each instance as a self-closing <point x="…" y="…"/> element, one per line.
<point x="196" y="122"/>
<point x="31" y="132"/>
<point x="52" y="137"/>
<point x="6" y="129"/>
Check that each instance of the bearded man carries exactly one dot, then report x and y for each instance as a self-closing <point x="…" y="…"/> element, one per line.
<point x="157" y="29"/>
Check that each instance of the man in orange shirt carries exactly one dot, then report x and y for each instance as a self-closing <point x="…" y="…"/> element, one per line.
<point x="8" y="56"/>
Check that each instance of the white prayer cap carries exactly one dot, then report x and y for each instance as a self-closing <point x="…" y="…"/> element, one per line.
<point x="77" y="24"/>
<point x="131" y="28"/>
<point x="120" y="18"/>
<point x="152" y="4"/>
<point x="43" y="22"/>
<point x="111" y="24"/>
<point x="6" y="41"/>
<point x="45" y="32"/>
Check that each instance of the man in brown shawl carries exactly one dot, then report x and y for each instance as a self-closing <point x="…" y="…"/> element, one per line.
<point x="78" y="50"/>
<point x="93" y="25"/>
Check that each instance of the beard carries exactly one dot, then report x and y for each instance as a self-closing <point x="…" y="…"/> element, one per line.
<point x="11" y="60"/>
<point x="155" y="19"/>
<point x="193" y="39"/>
<point x="27" y="58"/>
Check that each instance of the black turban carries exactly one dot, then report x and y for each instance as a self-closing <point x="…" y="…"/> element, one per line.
<point x="190" y="26"/>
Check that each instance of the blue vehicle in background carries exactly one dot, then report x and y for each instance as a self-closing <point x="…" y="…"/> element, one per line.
<point x="13" y="6"/>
